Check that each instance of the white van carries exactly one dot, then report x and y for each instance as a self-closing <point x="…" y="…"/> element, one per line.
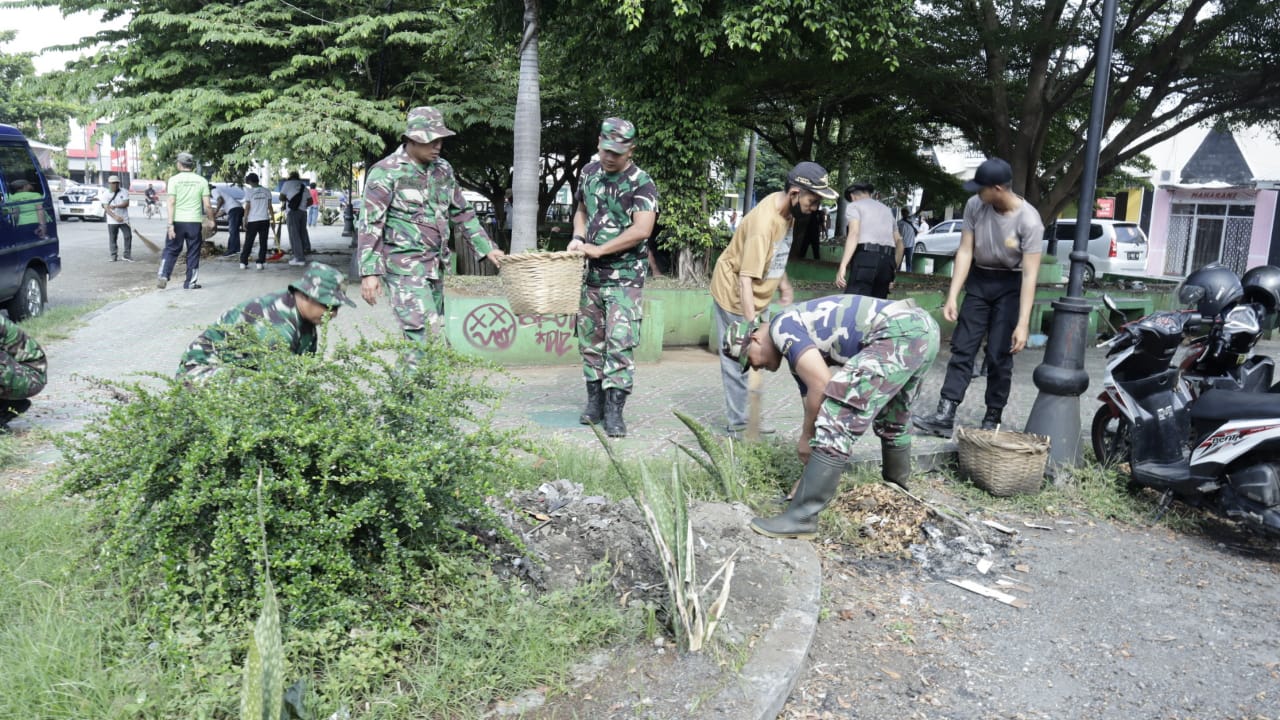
<point x="1116" y="247"/>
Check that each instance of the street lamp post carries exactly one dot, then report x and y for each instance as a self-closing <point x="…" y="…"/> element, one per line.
<point x="1061" y="378"/>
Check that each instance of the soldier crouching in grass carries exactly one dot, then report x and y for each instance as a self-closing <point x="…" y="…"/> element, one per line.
<point x="23" y="371"/>
<point x="286" y="319"/>
<point x="880" y="351"/>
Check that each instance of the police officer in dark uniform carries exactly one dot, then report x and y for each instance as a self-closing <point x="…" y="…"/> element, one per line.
<point x="872" y="246"/>
<point x="997" y="264"/>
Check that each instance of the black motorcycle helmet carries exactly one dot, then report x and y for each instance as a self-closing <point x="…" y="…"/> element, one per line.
<point x="1262" y="287"/>
<point x="1211" y="289"/>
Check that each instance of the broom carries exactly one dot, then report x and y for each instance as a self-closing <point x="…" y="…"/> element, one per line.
<point x="145" y="240"/>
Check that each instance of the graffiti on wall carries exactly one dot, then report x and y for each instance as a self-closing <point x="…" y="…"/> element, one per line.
<point x="491" y="327"/>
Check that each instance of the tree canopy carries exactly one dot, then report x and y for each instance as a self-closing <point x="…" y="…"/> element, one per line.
<point x="864" y="85"/>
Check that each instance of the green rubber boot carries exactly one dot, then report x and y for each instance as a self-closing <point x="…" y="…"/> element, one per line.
<point x="817" y="486"/>
<point x="895" y="464"/>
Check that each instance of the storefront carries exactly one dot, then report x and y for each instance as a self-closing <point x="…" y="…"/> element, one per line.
<point x="1213" y="222"/>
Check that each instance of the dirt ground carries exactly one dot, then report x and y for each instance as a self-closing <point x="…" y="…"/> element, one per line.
<point x="1111" y="621"/>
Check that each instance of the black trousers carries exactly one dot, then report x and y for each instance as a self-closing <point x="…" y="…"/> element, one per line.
<point x="870" y="271"/>
<point x="254" y="229"/>
<point x="990" y="311"/>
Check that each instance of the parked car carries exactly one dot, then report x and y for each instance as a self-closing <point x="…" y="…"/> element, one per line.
<point x="28" y="229"/>
<point x="82" y="201"/>
<point x="941" y="239"/>
<point x="1116" y="247"/>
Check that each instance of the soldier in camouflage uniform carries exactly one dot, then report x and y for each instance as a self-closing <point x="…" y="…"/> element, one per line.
<point x="617" y="205"/>
<point x="880" y="351"/>
<point x="23" y="371"/>
<point x="284" y="319"/>
<point x="410" y="198"/>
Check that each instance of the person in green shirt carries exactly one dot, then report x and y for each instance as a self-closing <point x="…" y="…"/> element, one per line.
<point x="189" y="208"/>
<point x="28" y="213"/>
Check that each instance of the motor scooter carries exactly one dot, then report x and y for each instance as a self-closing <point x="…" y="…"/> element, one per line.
<point x="1190" y="439"/>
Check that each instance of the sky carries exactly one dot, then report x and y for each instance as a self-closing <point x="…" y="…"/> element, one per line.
<point x="39" y="28"/>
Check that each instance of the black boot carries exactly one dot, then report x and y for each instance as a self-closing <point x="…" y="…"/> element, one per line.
<point x="614" y="400"/>
<point x="941" y="423"/>
<point x="895" y="464"/>
<point x="11" y="409"/>
<point x="991" y="420"/>
<point x="817" y="486"/>
<point x="595" y="404"/>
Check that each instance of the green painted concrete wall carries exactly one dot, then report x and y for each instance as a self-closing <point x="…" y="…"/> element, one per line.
<point x="485" y="327"/>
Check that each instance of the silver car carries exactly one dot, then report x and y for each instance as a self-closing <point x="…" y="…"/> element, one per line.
<point x="1116" y="247"/>
<point x="941" y="239"/>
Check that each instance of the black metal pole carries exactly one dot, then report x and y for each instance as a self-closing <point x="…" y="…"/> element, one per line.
<point x="1061" y="378"/>
<point x="348" y="215"/>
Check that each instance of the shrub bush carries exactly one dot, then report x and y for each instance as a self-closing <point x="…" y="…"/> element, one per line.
<point x="373" y="474"/>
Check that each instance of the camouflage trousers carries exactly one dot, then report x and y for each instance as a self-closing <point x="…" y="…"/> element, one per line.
<point x="608" y="332"/>
<point x="19" y="381"/>
<point x="878" y="384"/>
<point x="418" y="303"/>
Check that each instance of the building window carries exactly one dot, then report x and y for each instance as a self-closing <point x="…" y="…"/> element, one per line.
<point x="1202" y="233"/>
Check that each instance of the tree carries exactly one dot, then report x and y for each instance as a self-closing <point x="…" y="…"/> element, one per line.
<point x="28" y="101"/>
<point x="528" y="124"/>
<point x="319" y="83"/>
<point x="678" y="69"/>
<point x="1016" y="80"/>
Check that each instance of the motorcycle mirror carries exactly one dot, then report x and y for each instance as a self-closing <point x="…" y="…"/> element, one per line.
<point x="1110" y="303"/>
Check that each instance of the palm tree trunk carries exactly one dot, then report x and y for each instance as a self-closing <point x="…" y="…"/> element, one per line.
<point x="528" y="131"/>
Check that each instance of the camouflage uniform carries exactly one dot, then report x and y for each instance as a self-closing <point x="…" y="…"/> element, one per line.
<point x="882" y="349"/>
<point x="404" y="228"/>
<point x="610" y="312"/>
<point x="23" y="368"/>
<point x="272" y="320"/>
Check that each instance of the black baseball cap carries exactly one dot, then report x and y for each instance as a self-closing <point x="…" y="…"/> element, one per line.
<point x="993" y="171"/>
<point x="812" y="177"/>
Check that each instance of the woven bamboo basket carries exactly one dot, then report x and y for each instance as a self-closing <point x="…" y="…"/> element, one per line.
<point x="543" y="283"/>
<point x="1002" y="462"/>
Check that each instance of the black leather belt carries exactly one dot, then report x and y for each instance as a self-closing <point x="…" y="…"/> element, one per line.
<point x="882" y="249"/>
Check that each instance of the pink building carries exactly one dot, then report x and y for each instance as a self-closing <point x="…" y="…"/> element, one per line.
<point x="1219" y="210"/>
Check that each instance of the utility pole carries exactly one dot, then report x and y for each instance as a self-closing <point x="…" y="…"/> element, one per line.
<point x="1061" y="378"/>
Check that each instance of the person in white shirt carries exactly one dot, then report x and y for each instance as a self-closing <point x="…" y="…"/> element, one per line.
<point x="115" y="202"/>
<point x="228" y="199"/>
<point x="257" y="220"/>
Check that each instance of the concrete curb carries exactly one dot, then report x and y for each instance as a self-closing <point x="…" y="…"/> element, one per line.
<point x="778" y="659"/>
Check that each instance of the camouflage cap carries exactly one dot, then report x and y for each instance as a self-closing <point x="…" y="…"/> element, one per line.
<point x="324" y="285"/>
<point x="186" y="160"/>
<point x="737" y="338"/>
<point x="426" y="124"/>
<point x="617" y="135"/>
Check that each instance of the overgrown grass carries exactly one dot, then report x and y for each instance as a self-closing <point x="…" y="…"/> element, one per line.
<point x="59" y="322"/>
<point x="55" y="660"/>
<point x="70" y="648"/>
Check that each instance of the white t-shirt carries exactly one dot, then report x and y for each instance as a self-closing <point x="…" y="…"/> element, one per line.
<point x="778" y="266"/>
<point x="110" y="198"/>
<point x="231" y="197"/>
<point x="259" y="201"/>
<point x="291" y="189"/>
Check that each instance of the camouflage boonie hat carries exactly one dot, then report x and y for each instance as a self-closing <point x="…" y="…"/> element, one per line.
<point x="737" y="337"/>
<point x="617" y="135"/>
<point x="324" y="285"/>
<point x="425" y="124"/>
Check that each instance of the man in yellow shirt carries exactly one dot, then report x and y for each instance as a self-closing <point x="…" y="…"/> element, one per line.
<point x="753" y="268"/>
